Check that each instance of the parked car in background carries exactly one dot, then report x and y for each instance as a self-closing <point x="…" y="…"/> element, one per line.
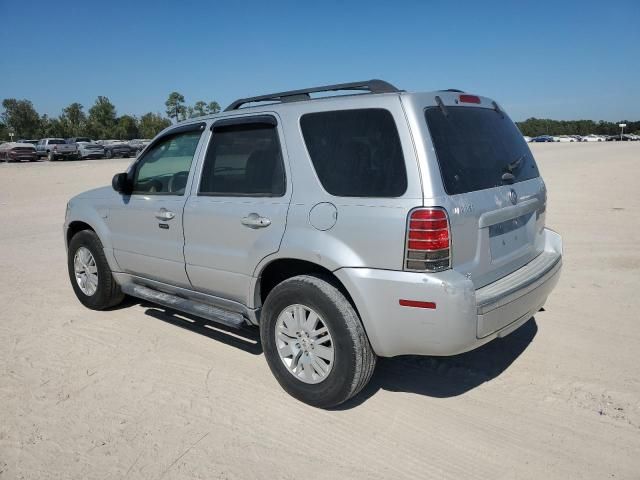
<point x="216" y="219"/>
<point x="56" y="148"/>
<point x="591" y="138"/>
<point x="32" y="142"/>
<point x="527" y="139"/>
<point x="78" y="139"/>
<point x="18" y="152"/>
<point x="138" y="144"/>
<point x="117" y="148"/>
<point x="620" y="138"/>
<point x="542" y="138"/>
<point x="564" y="139"/>
<point x="90" y="149"/>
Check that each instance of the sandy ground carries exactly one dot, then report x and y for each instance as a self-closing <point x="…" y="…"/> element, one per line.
<point x="130" y="394"/>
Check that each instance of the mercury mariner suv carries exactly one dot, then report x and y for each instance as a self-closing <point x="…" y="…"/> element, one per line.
<point x="345" y="227"/>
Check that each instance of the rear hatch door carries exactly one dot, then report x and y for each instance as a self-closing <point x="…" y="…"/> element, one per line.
<point x="494" y="194"/>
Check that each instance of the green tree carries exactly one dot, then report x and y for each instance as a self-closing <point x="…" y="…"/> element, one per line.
<point x="4" y="132"/>
<point x="74" y="119"/>
<point x="175" y="106"/>
<point x="20" y="117"/>
<point x="151" y="124"/>
<point x="213" y="107"/>
<point x="127" y="128"/>
<point x="199" y="108"/>
<point x="102" y="119"/>
<point x="52" y="127"/>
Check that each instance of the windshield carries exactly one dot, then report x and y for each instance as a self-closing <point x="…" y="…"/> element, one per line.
<point x="478" y="148"/>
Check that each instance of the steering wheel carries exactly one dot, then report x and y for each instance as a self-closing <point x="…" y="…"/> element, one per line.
<point x="178" y="182"/>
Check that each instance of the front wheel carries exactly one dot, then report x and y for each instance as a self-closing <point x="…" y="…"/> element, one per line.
<point x="90" y="274"/>
<point x="51" y="157"/>
<point x="314" y="342"/>
<point x="108" y="154"/>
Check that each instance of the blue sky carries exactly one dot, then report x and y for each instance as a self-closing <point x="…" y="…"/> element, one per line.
<point x="556" y="59"/>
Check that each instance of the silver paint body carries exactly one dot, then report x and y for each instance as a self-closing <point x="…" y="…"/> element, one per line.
<point x="208" y="254"/>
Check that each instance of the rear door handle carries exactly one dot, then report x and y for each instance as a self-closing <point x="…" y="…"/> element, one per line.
<point x="164" y="214"/>
<point x="253" y="220"/>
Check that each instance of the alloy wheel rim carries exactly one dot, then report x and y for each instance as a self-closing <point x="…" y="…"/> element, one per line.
<point x="86" y="271"/>
<point x="304" y="344"/>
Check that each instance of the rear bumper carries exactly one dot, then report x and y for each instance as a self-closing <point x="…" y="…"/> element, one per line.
<point x="464" y="318"/>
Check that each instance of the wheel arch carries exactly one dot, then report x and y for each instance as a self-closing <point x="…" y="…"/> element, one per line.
<point x="281" y="269"/>
<point x="75" y="227"/>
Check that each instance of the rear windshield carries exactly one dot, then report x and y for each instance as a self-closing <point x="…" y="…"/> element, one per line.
<point x="56" y="141"/>
<point x="478" y="148"/>
<point x="356" y="153"/>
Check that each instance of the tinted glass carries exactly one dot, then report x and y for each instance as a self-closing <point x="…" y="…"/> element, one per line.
<point x="165" y="168"/>
<point x="356" y="153"/>
<point x="56" y="141"/>
<point x="477" y="147"/>
<point x="244" y="160"/>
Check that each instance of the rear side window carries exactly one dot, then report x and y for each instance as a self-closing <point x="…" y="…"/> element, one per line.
<point x="356" y="153"/>
<point x="478" y="148"/>
<point x="244" y="160"/>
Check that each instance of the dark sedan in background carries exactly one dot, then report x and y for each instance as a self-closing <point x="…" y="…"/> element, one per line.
<point x="18" y="152"/>
<point x="543" y="138"/>
<point x="117" y="148"/>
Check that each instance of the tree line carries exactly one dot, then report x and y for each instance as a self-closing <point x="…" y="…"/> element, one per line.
<point x="534" y="127"/>
<point x="101" y="121"/>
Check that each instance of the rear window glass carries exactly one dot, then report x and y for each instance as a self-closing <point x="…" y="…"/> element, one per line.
<point x="56" y="141"/>
<point x="356" y="153"/>
<point x="478" y="148"/>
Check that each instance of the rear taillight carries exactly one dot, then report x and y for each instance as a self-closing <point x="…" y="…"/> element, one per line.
<point x="428" y="244"/>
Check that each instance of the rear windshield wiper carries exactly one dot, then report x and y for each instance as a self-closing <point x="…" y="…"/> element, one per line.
<point x="513" y="166"/>
<point x="508" y="177"/>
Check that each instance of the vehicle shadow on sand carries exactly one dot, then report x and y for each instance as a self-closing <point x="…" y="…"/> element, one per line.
<point x="439" y="377"/>
<point x="444" y="377"/>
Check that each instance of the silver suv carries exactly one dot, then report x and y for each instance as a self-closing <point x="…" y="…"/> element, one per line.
<point x="346" y="227"/>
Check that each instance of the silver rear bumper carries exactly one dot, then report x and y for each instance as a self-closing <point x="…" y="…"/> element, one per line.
<point x="518" y="294"/>
<point x="463" y="318"/>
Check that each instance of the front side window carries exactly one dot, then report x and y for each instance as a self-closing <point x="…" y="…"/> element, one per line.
<point x="356" y="153"/>
<point x="165" y="167"/>
<point x="244" y="160"/>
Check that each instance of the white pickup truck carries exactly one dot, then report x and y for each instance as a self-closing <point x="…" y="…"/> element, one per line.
<point x="56" y="148"/>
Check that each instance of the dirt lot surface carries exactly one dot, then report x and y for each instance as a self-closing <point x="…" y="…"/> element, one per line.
<point x="130" y="394"/>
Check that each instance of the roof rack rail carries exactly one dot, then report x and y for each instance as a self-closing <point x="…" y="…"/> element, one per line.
<point x="372" y="86"/>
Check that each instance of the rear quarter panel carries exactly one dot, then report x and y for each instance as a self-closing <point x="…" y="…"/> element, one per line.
<point x="368" y="232"/>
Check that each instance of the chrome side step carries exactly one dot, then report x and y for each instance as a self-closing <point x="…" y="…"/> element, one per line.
<point x="230" y="319"/>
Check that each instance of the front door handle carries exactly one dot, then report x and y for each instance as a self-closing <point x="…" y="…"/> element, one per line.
<point x="164" y="214"/>
<point x="253" y="220"/>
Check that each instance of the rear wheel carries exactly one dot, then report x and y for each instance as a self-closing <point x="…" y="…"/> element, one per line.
<point x="314" y="342"/>
<point x="89" y="272"/>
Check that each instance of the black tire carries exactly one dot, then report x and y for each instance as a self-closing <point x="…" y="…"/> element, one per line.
<point x="51" y="157"/>
<point x="108" y="154"/>
<point x="108" y="293"/>
<point x="354" y="360"/>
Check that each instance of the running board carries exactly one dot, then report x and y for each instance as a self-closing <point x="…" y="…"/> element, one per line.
<point x="230" y="319"/>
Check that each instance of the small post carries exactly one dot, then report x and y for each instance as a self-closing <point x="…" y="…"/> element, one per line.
<point x="622" y="125"/>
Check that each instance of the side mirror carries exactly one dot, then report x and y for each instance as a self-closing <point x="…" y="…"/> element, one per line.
<point x="121" y="184"/>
